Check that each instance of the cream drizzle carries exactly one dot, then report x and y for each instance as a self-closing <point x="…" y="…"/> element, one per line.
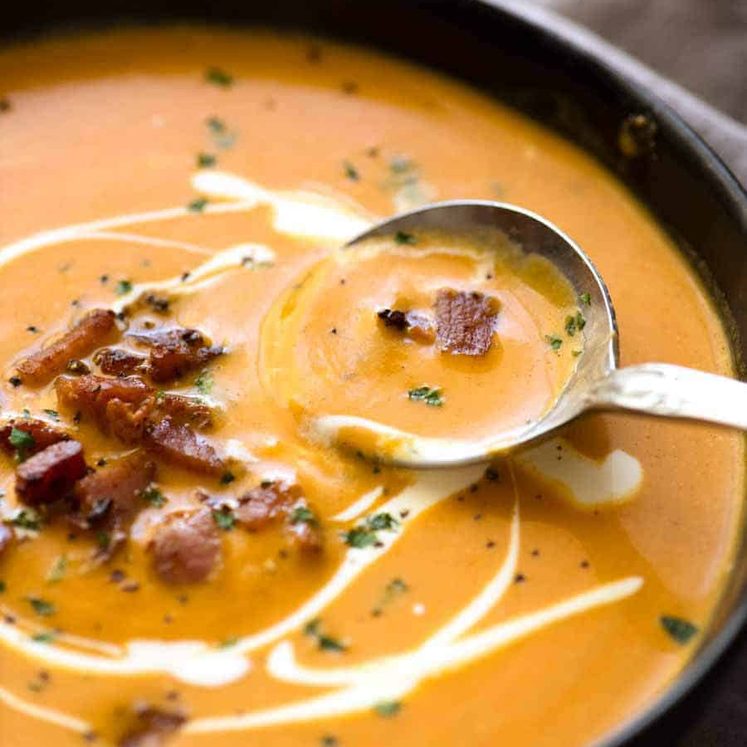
<point x="196" y="662"/>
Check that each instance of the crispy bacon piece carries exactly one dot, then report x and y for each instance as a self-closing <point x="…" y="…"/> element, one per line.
<point x="43" y="434"/>
<point x="111" y="496"/>
<point x="273" y="501"/>
<point x="184" y="410"/>
<point x="415" y="325"/>
<point x="6" y="538"/>
<point x="180" y="445"/>
<point x="465" y="322"/>
<point x="186" y="547"/>
<point x="119" y="362"/>
<point x="305" y="535"/>
<point x="266" y="503"/>
<point x="175" y="351"/>
<point x="119" y="406"/>
<point x="50" y="474"/>
<point x="151" y="727"/>
<point x="91" y="331"/>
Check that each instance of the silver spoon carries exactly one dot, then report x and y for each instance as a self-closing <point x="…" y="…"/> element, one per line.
<point x="597" y="383"/>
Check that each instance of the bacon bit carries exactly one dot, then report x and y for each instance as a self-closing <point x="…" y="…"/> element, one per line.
<point x="465" y="322"/>
<point x="306" y="536"/>
<point x="120" y="483"/>
<point x="184" y="410"/>
<point x="152" y="726"/>
<point x="186" y="547"/>
<point x="119" y="406"/>
<point x="417" y="326"/>
<point x="44" y="434"/>
<point x="270" y="502"/>
<point x="6" y="538"/>
<point x="50" y="474"/>
<point x="119" y="362"/>
<point x="181" y="446"/>
<point x="175" y="351"/>
<point x="91" y="331"/>
<point x="266" y="503"/>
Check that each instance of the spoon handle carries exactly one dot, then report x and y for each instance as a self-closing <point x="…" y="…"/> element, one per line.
<point x="674" y="391"/>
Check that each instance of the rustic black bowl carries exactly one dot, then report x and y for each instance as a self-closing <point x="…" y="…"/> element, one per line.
<point x="582" y="95"/>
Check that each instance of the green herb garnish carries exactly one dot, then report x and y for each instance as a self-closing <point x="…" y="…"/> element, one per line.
<point x="3" y="587"/>
<point x="46" y="637"/>
<point x="678" y="628"/>
<point x="103" y="540"/>
<point x="303" y="515"/>
<point x="227" y="478"/>
<point x="574" y="324"/>
<point x="392" y="590"/>
<point x="585" y="298"/>
<point x="388" y="708"/>
<point x="22" y="441"/>
<point x="197" y="205"/>
<point x="228" y="642"/>
<point x="52" y="414"/>
<point x="154" y="497"/>
<point x="224" y="518"/>
<point x="204" y="382"/>
<point x="122" y="287"/>
<point x="26" y="518"/>
<point x="554" y="342"/>
<point x="430" y="395"/>
<point x="41" y="606"/>
<point x="402" y="237"/>
<point x="205" y="160"/>
<point x="364" y="535"/>
<point x="350" y="171"/>
<point x="218" y="77"/>
<point x="57" y="570"/>
<point x="313" y="628"/>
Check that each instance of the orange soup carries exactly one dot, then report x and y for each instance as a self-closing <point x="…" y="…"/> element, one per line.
<point x="183" y="560"/>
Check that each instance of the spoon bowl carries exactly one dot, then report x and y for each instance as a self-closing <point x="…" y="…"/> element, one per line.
<point x="597" y="382"/>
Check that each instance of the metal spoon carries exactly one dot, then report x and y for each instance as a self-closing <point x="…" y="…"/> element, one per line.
<point x="597" y="383"/>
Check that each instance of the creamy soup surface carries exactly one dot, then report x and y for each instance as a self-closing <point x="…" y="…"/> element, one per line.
<point x="183" y="560"/>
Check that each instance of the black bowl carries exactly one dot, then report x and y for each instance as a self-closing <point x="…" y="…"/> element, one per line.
<point x="581" y="95"/>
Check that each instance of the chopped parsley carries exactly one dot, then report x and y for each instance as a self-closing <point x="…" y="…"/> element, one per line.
<point x="328" y="741"/>
<point x="103" y="540"/>
<point x="388" y="708"/>
<point x="402" y="237"/>
<point x="204" y="382"/>
<point x="585" y="298"/>
<point x="574" y="324"/>
<point x="224" y="518"/>
<point x="221" y="136"/>
<point x="154" y="497"/>
<point x="218" y="77"/>
<point x="58" y="570"/>
<point x="324" y="642"/>
<point x="228" y="642"/>
<point x="364" y="535"/>
<point x="227" y="478"/>
<point x="3" y="587"/>
<point x="430" y="395"/>
<point x="303" y="515"/>
<point x="22" y="441"/>
<point x="350" y="171"/>
<point x="205" y="160"/>
<point x="679" y="629"/>
<point x="197" y="205"/>
<point x="391" y="591"/>
<point x="554" y="342"/>
<point x="41" y="606"/>
<point x="45" y="637"/>
<point x="52" y="414"/>
<point x="26" y="518"/>
<point x="122" y="287"/>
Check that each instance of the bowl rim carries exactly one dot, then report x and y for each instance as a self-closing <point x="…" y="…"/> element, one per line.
<point x="593" y="51"/>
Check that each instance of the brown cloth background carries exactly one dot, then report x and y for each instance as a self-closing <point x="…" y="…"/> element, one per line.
<point x="694" y="54"/>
